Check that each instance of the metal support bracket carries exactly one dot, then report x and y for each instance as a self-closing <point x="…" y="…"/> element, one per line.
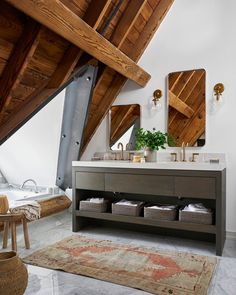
<point x="77" y="100"/>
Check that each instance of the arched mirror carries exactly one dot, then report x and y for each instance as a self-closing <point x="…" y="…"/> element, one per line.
<point x="187" y="107"/>
<point x="124" y="120"/>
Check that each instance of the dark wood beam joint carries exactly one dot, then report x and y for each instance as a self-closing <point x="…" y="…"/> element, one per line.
<point x="18" y="61"/>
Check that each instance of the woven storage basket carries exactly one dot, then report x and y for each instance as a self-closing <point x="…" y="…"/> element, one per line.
<point x="196" y="217"/>
<point x="130" y="210"/>
<point x="4" y="206"/>
<point x="13" y="274"/>
<point x="94" y="207"/>
<point x="160" y="214"/>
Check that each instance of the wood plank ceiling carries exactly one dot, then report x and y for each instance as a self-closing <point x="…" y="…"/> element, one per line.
<point x="37" y="57"/>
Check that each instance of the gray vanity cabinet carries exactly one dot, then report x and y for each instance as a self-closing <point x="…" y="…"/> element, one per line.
<point x="195" y="187"/>
<point x="153" y="185"/>
<point x="90" y="180"/>
<point x="140" y="184"/>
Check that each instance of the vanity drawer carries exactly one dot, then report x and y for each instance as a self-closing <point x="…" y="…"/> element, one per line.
<point x="90" y="180"/>
<point x="140" y="184"/>
<point x="195" y="187"/>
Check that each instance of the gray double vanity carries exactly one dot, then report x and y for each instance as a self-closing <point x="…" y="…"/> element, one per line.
<point x="155" y="183"/>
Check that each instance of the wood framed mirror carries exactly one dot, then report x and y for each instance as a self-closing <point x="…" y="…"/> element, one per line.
<point x="124" y="120"/>
<point x="187" y="107"/>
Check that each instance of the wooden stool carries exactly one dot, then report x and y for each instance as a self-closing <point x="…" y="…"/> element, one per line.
<point x="10" y="220"/>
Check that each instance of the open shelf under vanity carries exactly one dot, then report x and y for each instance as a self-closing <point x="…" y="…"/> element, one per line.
<point x="151" y="222"/>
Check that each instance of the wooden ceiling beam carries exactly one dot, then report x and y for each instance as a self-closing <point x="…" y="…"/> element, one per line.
<point x="126" y="22"/>
<point x="123" y="28"/>
<point x="54" y="15"/>
<point x="146" y="35"/>
<point x="65" y="67"/>
<point x="92" y="17"/>
<point x="18" y="61"/>
<point x="60" y="76"/>
<point x="151" y="27"/>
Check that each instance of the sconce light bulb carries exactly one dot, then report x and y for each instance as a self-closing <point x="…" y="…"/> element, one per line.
<point x="156" y="105"/>
<point x="157" y="94"/>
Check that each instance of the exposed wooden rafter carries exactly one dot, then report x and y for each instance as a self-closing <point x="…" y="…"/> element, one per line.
<point x="71" y="57"/>
<point x="59" y="77"/>
<point x="122" y="30"/>
<point x="150" y="29"/>
<point x="54" y="15"/>
<point x="126" y="22"/>
<point x="18" y="61"/>
<point x="53" y="60"/>
<point x="118" y="81"/>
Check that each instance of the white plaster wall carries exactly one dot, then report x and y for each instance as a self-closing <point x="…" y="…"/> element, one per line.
<point x="195" y="34"/>
<point x="33" y="150"/>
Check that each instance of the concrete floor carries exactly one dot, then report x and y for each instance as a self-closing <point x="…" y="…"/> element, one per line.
<point x="54" y="228"/>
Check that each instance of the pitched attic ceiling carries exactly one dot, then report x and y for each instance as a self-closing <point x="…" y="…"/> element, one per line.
<point x="41" y="46"/>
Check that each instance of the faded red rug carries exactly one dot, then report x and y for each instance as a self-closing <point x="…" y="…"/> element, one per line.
<point x="157" y="272"/>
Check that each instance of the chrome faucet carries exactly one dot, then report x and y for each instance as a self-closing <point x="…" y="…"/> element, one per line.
<point x="30" y="180"/>
<point x="128" y="149"/>
<point x="120" y="144"/>
<point x="128" y="146"/>
<point x="183" y="159"/>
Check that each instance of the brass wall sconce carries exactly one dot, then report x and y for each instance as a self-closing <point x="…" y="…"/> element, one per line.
<point x="157" y="94"/>
<point x="219" y="89"/>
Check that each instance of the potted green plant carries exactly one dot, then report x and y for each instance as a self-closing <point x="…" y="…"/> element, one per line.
<point x="150" y="141"/>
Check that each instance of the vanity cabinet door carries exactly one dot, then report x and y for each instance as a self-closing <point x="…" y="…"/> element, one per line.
<point x="140" y="184"/>
<point x="90" y="180"/>
<point x="195" y="187"/>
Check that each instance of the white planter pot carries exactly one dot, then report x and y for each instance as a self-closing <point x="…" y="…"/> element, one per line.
<point x="151" y="156"/>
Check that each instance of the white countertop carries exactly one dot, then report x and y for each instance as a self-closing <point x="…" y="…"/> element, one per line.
<point x="154" y="165"/>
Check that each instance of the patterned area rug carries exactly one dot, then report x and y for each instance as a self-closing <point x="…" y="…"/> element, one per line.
<point x="157" y="272"/>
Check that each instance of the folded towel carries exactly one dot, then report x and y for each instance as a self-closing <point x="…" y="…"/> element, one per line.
<point x="130" y="203"/>
<point x="96" y="200"/>
<point x="31" y="209"/>
<point x="164" y="207"/>
<point x="199" y="207"/>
